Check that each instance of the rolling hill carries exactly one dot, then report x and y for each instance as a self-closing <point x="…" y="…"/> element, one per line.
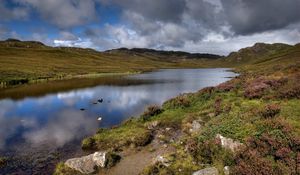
<point x="23" y="61"/>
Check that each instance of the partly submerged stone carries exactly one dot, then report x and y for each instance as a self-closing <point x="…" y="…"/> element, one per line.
<point x="88" y="164"/>
<point x="229" y="143"/>
<point x="207" y="171"/>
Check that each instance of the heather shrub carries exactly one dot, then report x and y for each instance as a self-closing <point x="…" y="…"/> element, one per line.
<point x="207" y="92"/>
<point x="270" y="111"/>
<point x="217" y="106"/>
<point x="151" y="111"/>
<point x="192" y="147"/>
<point x="291" y="89"/>
<point x="290" y="92"/>
<point x="228" y="85"/>
<point x="274" y="151"/>
<point x="256" y="88"/>
<point x="252" y="163"/>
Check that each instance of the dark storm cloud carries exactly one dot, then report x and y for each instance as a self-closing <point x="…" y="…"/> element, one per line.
<point x="164" y="24"/>
<point x="252" y="16"/>
<point x="64" y="13"/>
<point x="10" y="13"/>
<point x="3" y="30"/>
<point x="161" y="10"/>
<point x="208" y="14"/>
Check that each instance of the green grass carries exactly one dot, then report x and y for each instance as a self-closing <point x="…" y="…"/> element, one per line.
<point x="232" y="114"/>
<point x="132" y="132"/>
<point x="21" y="63"/>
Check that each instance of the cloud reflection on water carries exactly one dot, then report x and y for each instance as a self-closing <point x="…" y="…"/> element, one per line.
<point x="65" y="127"/>
<point x="56" y="119"/>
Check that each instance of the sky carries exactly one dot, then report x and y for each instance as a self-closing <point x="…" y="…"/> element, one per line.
<point x="206" y="26"/>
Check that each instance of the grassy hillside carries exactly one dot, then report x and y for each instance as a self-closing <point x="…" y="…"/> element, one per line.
<point x="25" y="61"/>
<point x="259" y="109"/>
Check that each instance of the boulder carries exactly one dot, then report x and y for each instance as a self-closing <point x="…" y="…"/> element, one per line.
<point x="207" y="171"/>
<point x="229" y="143"/>
<point x="88" y="164"/>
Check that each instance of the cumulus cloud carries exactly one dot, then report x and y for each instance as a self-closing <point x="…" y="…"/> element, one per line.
<point x="86" y="43"/>
<point x="189" y="25"/>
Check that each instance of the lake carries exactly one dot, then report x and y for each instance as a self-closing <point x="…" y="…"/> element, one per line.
<point x="41" y="124"/>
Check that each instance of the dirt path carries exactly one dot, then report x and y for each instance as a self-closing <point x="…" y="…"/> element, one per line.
<point x="133" y="162"/>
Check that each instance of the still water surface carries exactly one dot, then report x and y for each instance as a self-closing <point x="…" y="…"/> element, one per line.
<point x="56" y="115"/>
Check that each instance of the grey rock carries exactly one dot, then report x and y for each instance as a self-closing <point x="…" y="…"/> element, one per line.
<point x="162" y="160"/>
<point x="99" y="159"/>
<point x="88" y="164"/>
<point x="152" y="125"/>
<point x="226" y="170"/>
<point x="196" y="126"/>
<point x="207" y="171"/>
<point x="229" y="143"/>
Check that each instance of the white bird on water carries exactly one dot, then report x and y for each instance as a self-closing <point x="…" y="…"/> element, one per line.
<point x="99" y="118"/>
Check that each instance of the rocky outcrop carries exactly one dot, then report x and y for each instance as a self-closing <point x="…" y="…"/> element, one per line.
<point x="229" y="143"/>
<point x="88" y="164"/>
<point x="207" y="171"/>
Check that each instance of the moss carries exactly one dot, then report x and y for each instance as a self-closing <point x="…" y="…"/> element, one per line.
<point x="62" y="169"/>
<point x="88" y="143"/>
<point x="132" y="132"/>
<point x="112" y="159"/>
<point x="157" y="169"/>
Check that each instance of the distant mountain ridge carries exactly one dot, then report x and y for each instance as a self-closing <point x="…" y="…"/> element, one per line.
<point x="181" y="54"/>
<point x="172" y="54"/>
